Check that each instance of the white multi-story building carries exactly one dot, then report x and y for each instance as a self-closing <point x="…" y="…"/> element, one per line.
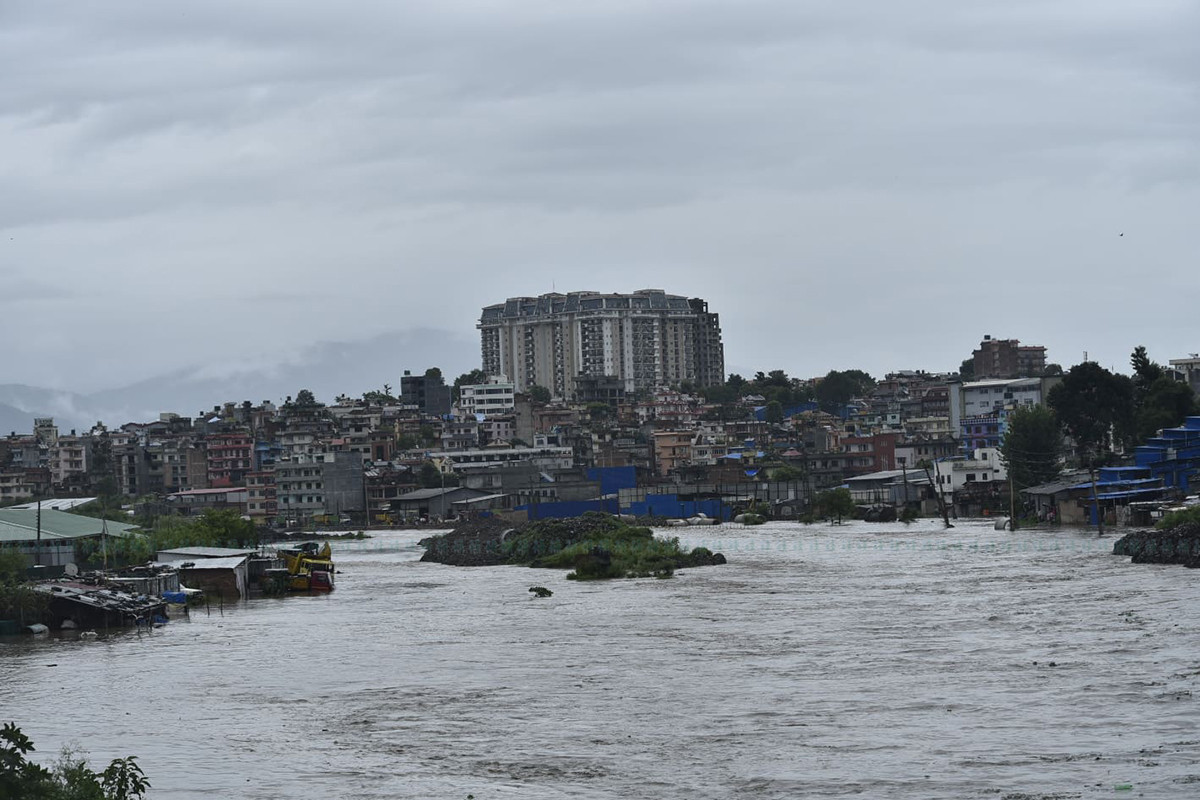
<point x="647" y="339"/>
<point x="1188" y="369"/>
<point x="495" y="397"/>
<point x="979" y="410"/>
<point x="984" y="464"/>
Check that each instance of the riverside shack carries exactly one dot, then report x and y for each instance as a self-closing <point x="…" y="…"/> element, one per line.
<point x="48" y="538"/>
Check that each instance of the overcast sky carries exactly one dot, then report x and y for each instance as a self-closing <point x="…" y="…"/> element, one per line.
<point x="872" y="185"/>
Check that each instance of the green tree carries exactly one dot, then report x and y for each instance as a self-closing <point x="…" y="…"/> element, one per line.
<point x="719" y="394"/>
<point x="1032" y="446"/>
<point x="18" y="599"/>
<point x="1095" y="407"/>
<point x="472" y="378"/>
<point x="539" y="394"/>
<point x="776" y="377"/>
<point x="1159" y="400"/>
<point x="966" y="370"/>
<point x="835" y="503"/>
<point x="787" y="474"/>
<point x="735" y="382"/>
<point x="774" y="412"/>
<point x="433" y="478"/>
<point x="838" y="387"/>
<point x="305" y="400"/>
<point x="1165" y="404"/>
<point x="428" y="435"/>
<point x="379" y="397"/>
<point x="1145" y="371"/>
<point x="433" y="374"/>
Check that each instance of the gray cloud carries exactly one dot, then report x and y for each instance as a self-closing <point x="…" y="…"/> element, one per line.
<point x="848" y="185"/>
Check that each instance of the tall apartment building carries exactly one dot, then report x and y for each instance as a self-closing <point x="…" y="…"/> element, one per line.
<point x="646" y="339"/>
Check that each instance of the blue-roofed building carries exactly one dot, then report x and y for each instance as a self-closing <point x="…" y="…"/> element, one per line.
<point x="1173" y="456"/>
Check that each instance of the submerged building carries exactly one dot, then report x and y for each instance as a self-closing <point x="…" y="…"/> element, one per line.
<point x="644" y="340"/>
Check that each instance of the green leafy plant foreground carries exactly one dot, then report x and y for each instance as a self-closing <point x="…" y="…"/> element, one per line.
<point x="69" y="779"/>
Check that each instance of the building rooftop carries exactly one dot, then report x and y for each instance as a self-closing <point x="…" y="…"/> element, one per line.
<point x="425" y="494"/>
<point x="21" y="525"/>
<point x="61" y="504"/>
<point x="205" y="552"/>
<point x="229" y="562"/>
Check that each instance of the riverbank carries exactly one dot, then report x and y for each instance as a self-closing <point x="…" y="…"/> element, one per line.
<point x="1179" y="545"/>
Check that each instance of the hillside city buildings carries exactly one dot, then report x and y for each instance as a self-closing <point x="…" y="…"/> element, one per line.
<point x="627" y="429"/>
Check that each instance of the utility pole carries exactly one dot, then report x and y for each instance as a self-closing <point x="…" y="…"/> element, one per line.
<point x="1012" y="503"/>
<point x="38" y="549"/>
<point x="1096" y="503"/>
<point x="939" y="494"/>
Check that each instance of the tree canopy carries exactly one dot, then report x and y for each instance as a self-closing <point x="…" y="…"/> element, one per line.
<point x="774" y="386"/>
<point x="433" y="478"/>
<point x="1032" y="446"/>
<point x="539" y="394"/>
<point x="838" y="387"/>
<point x="472" y="378"/>
<point x="1160" y="401"/>
<point x="304" y="400"/>
<point x="835" y="503"/>
<point x="1095" y="407"/>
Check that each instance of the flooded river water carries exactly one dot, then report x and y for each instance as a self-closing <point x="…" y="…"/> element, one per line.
<point x="821" y="661"/>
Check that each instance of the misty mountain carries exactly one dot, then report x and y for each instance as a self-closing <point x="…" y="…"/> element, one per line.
<point x="326" y="368"/>
<point x="14" y="419"/>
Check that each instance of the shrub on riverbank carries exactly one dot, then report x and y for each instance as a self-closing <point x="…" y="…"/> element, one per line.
<point x="18" y="600"/>
<point x="1186" y="516"/>
<point x="212" y="529"/>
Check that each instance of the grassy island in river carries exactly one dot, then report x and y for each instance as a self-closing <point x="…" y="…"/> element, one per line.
<point x="594" y="546"/>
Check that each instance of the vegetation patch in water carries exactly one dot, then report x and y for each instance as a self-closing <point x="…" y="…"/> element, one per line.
<point x="594" y="546"/>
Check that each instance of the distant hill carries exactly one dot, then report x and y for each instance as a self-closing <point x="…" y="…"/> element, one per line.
<point x="326" y="368"/>
<point x="14" y="419"/>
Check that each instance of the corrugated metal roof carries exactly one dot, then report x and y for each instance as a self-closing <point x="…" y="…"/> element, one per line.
<point x="60" y="504"/>
<point x="425" y="494"/>
<point x="204" y="552"/>
<point x="232" y="562"/>
<point x="21" y="525"/>
<point x="474" y="500"/>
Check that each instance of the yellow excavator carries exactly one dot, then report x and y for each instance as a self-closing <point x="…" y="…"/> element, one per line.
<point x="310" y="567"/>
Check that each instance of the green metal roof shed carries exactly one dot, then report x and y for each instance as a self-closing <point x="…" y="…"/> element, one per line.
<point x="20" y="526"/>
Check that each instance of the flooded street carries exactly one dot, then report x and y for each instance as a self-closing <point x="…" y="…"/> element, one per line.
<point x="821" y="661"/>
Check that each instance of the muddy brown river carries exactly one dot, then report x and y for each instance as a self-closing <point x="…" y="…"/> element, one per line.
<point x="861" y="660"/>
